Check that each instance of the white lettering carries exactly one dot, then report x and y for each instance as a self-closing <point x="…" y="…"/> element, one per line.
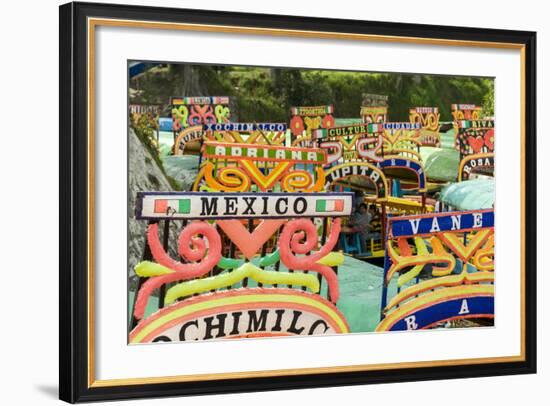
<point x="478" y="222"/>
<point x="435" y="225"/>
<point x="411" y="322"/>
<point x="456" y="222"/>
<point x="374" y="176"/>
<point x="415" y="223"/>
<point x="464" y="307"/>
<point x="346" y="171"/>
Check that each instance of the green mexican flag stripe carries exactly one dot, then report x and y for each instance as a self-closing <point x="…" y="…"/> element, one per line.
<point x="321" y="205"/>
<point x="184" y="206"/>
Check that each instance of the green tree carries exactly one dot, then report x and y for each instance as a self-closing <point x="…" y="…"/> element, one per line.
<point x="266" y="94"/>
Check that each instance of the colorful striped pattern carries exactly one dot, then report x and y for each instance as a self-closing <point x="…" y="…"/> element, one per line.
<point x="456" y="107"/>
<point x="234" y="300"/>
<point x="265" y="153"/>
<point x="312" y="110"/>
<point x="329" y="205"/>
<point x="348" y="131"/>
<point x="424" y="110"/>
<point x="475" y="124"/>
<point x="401" y="126"/>
<point x="176" y="101"/>
<point x="430" y="301"/>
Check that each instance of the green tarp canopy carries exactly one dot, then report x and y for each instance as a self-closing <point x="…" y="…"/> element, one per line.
<point x="441" y="164"/>
<point x="470" y="195"/>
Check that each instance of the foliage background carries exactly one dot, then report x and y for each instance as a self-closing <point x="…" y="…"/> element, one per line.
<point x="266" y="94"/>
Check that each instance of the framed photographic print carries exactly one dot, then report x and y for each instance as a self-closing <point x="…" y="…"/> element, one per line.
<point x="256" y="202"/>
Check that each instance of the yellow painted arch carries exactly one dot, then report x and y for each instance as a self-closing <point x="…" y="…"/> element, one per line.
<point x="182" y="310"/>
<point x="439" y="296"/>
<point x="365" y="164"/>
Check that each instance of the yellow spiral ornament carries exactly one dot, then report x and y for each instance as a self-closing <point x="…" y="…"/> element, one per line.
<point x="230" y="179"/>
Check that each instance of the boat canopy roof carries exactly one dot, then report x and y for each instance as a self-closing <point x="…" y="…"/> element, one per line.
<point x="470" y="195"/>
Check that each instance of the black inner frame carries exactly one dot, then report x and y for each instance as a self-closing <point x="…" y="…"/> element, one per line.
<point x="73" y="178"/>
